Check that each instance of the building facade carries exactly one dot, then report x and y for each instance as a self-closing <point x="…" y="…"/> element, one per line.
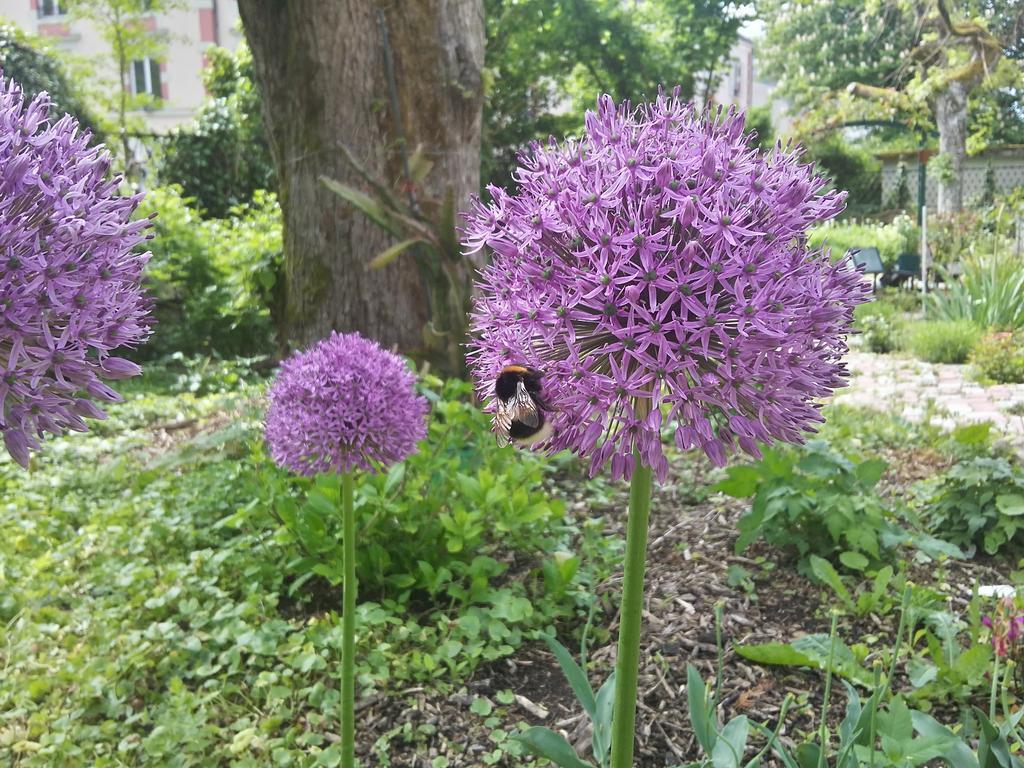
<point x="175" y="79"/>
<point x="743" y="84"/>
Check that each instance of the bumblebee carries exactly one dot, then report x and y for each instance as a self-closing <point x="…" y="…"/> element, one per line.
<point x="520" y="413"/>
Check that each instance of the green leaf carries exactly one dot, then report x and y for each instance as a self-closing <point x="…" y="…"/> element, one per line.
<point x="870" y="471"/>
<point x="1010" y="504"/>
<point x="702" y="714"/>
<point x="369" y="207"/>
<point x="848" y="727"/>
<point x="921" y="672"/>
<point x="546" y="743"/>
<point x="776" y="654"/>
<point x="481" y="706"/>
<point x="855" y="561"/>
<point x="897" y="724"/>
<point x="741" y="482"/>
<point x="601" y="741"/>
<point x="388" y="255"/>
<point x="576" y="677"/>
<point x="823" y="570"/>
<point x="955" y="751"/>
<point x="732" y="741"/>
<point x="973" y="434"/>
<point x="810" y="651"/>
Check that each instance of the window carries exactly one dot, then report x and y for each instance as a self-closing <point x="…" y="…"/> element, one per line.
<point x="145" y="78"/>
<point x="51" y="8"/>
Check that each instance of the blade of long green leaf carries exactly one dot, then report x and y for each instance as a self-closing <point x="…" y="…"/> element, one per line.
<point x="702" y="720"/>
<point x="577" y="677"/>
<point x="369" y="207"/>
<point x="388" y="255"/>
<point x="546" y="743"/>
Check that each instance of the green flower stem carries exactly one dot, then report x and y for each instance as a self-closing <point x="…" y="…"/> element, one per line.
<point x="630" y="619"/>
<point x="995" y="689"/>
<point x="348" y="625"/>
<point x="824" y="732"/>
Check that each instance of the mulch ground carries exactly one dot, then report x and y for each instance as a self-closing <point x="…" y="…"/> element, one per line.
<point x="689" y="555"/>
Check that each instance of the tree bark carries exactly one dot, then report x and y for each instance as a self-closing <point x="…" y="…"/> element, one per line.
<point x="323" y="69"/>
<point x="950" y="109"/>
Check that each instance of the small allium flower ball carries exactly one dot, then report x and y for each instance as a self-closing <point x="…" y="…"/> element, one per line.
<point x="343" y="404"/>
<point x="662" y="261"/>
<point x="70" y="282"/>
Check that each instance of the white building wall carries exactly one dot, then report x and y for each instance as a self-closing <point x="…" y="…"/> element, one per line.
<point x="190" y="30"/>
<point x="743" y="85"/>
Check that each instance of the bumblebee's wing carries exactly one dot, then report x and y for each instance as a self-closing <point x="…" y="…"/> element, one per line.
<point x="501" y="422"/>
<point x="523" y="407"/>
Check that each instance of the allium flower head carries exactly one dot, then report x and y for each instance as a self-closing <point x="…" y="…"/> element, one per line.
<point x="341" y="404"/>
<point x="70" y="282"/>
<point x="661" y="261"/>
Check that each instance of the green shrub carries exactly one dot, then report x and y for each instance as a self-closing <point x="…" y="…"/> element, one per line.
<point x="223" y="158"/>
<point x="979" y="501"/>
<point x="999" y="357"/>
<point x="214" y="281"/>
<point x="990" y="293"/>
<point x="881" y="334"/>
<point x="855" y="169"/>
<point x="900" y="236"/>
<point x="433" y="522"/>
<point x="942" y="341"/>
<point x="813" y="500"/>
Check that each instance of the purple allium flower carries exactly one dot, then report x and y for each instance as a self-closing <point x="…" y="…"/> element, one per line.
<point x="70" y="283"/>
<point x="341" y="404"/>
<point x="661" y="261"/>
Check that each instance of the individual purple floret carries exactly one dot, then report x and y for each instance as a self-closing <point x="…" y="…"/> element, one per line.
<point x="70" y="282"/>
<point x="344" y="403"/>
<point x="661" y="261"/>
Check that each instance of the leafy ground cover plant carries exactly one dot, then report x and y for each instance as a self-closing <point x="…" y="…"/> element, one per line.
<point x="188" y="637"/>
<point x="943" y="341"/>
<point x="883" y="730"/>
<point x="812" y="500"/>
<point x="978" y="502"/>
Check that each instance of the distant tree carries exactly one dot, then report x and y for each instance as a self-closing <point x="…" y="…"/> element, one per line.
<point x="759" y="120"/>
<point x="548" y="60"/>
<point x="917" y="62"/>
<point x="850" y="168"/>
<point x="223" y="157"/>
<point x="26" y="60"/>
<point x="122" y="24"/>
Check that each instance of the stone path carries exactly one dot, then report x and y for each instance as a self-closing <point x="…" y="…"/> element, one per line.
<point x="946" y="395"/>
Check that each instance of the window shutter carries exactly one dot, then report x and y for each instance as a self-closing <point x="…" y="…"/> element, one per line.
<point x="138" y="77"/>
<point x="154" y="79"/>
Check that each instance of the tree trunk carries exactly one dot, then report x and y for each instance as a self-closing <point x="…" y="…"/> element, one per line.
<point x="950" y="108"/>
<point x="322" y="66"/>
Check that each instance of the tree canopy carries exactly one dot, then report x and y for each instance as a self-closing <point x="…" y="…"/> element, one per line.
<point x="547" y="61"/>
<point x="223" y="157"/>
